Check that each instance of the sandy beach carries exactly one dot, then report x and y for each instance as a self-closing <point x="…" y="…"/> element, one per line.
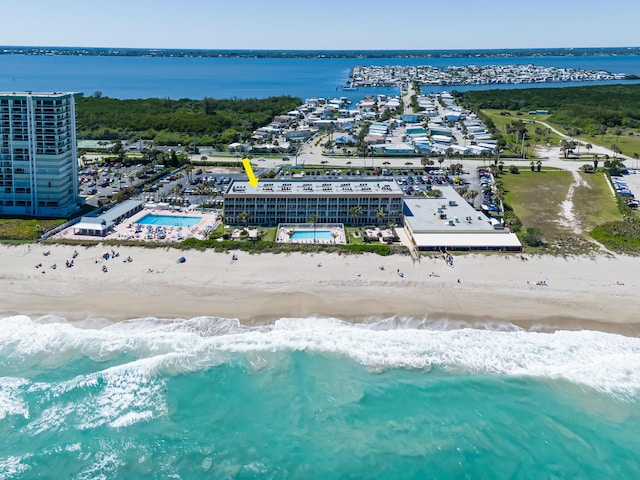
<point x="580" y="293"/>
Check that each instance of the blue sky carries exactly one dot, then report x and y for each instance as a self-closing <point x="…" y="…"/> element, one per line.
<point x="318" y="25"/>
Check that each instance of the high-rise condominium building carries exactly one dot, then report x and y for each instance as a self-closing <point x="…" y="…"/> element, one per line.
<point x="38" y="154"/>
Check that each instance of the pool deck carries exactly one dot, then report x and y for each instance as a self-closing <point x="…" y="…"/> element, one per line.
<point x="338" y="235"/>
<point x="129" y="230"/>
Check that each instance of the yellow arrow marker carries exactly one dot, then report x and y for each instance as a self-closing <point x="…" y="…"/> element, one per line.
<point x="253" y="181"/>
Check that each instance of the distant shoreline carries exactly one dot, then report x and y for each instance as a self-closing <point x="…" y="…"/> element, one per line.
<point x="364" y="54"/>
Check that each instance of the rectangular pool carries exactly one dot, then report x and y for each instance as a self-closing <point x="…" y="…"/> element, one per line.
<point x="308" y="235"/>
<point x="169" y="220"/>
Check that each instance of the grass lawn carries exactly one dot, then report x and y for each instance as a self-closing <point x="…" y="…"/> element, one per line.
<point x="269" y="234"/>
<point x="629" y="144"/>
<point x="501" y="122"/>
<point x="21" y="229"/>
<point x="593" y="203"/>
<point x="349" y="231"/>
<point x="537" y="197"/>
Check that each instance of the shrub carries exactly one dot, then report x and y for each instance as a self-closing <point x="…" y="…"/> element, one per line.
<point x="513" y="169"/>
<point x="510" y="219"/>
<point x="533" y="237"/>
<point x="622" y="236"/>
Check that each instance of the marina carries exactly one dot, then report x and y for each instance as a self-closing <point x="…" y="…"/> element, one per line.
<point x="398" y="75"/>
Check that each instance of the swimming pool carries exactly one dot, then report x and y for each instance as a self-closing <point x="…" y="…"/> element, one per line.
<point x="169" y="220"/>
<point x="308" y="235"/>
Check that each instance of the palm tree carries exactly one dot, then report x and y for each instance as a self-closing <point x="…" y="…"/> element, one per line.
<point x="313" y="220"/>
<point x="329" y="144"/>
<point x="188" y="168"/>
<point x="618" y="131"/>
<point x="616" y="150"/>
<point x="244" y="218"/>
<point x="496" y="151"/>
<point x="449" y="154"/>
<point x="355" y="212"/>
<point x="588" y="146"/>
<point x="564" y="147"/>
<point x="470" y="195"/>
<point x="381" y="214"/>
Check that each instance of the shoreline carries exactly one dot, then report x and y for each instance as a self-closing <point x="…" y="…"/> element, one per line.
<point x="581" y="293"/>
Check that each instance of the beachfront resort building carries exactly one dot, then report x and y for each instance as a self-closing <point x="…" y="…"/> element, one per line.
<point x="451" y="223"/>
<point x="38" y="154"/>
<point x="360" y="202"/>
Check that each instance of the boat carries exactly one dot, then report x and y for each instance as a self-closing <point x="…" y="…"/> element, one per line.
<point x="350" y="87"/>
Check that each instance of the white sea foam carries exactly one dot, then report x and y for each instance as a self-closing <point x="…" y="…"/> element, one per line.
<point x="12" y="467"/>
<point x="11" y="401"/>
<point x="130" y="418"/>
<point x="607" y="362"/>
<point x="118" y="397"/>
<point x="104" y="464"/>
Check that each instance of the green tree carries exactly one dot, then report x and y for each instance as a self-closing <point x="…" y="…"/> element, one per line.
<point x="380" y="215"/>
<point x="470" y="195"/>
<point x="616" y="150"/>
<point x="244" y="218"/>
<point x="533" y="237"/>
<point x="355" y="213"/>
<point x="618" y="131"/>
<point x="313" y="220"/>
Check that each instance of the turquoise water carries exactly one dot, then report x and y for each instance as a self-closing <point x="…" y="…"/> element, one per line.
<point x="315" y="398"/>
<point x="169" y="220"/>
<point x="309" y="235"/>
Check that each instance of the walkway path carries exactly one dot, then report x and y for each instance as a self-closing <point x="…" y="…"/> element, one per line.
<point x="596" y="149"/>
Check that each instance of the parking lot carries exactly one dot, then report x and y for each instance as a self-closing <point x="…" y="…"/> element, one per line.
<point x="412" y="181"/>
<point x="96" y="182"/>
<point x="628" y="186"/>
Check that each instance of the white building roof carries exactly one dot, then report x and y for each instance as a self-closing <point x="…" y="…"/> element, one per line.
<point x="492" y="240"/>
<point x="441" y="138"/>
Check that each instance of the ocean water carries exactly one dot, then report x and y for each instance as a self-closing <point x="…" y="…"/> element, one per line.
<point x="197" y="77"/>
<point x="315" y="398"/>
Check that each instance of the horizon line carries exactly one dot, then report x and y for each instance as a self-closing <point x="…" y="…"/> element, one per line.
<point x="326" y="49"/>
